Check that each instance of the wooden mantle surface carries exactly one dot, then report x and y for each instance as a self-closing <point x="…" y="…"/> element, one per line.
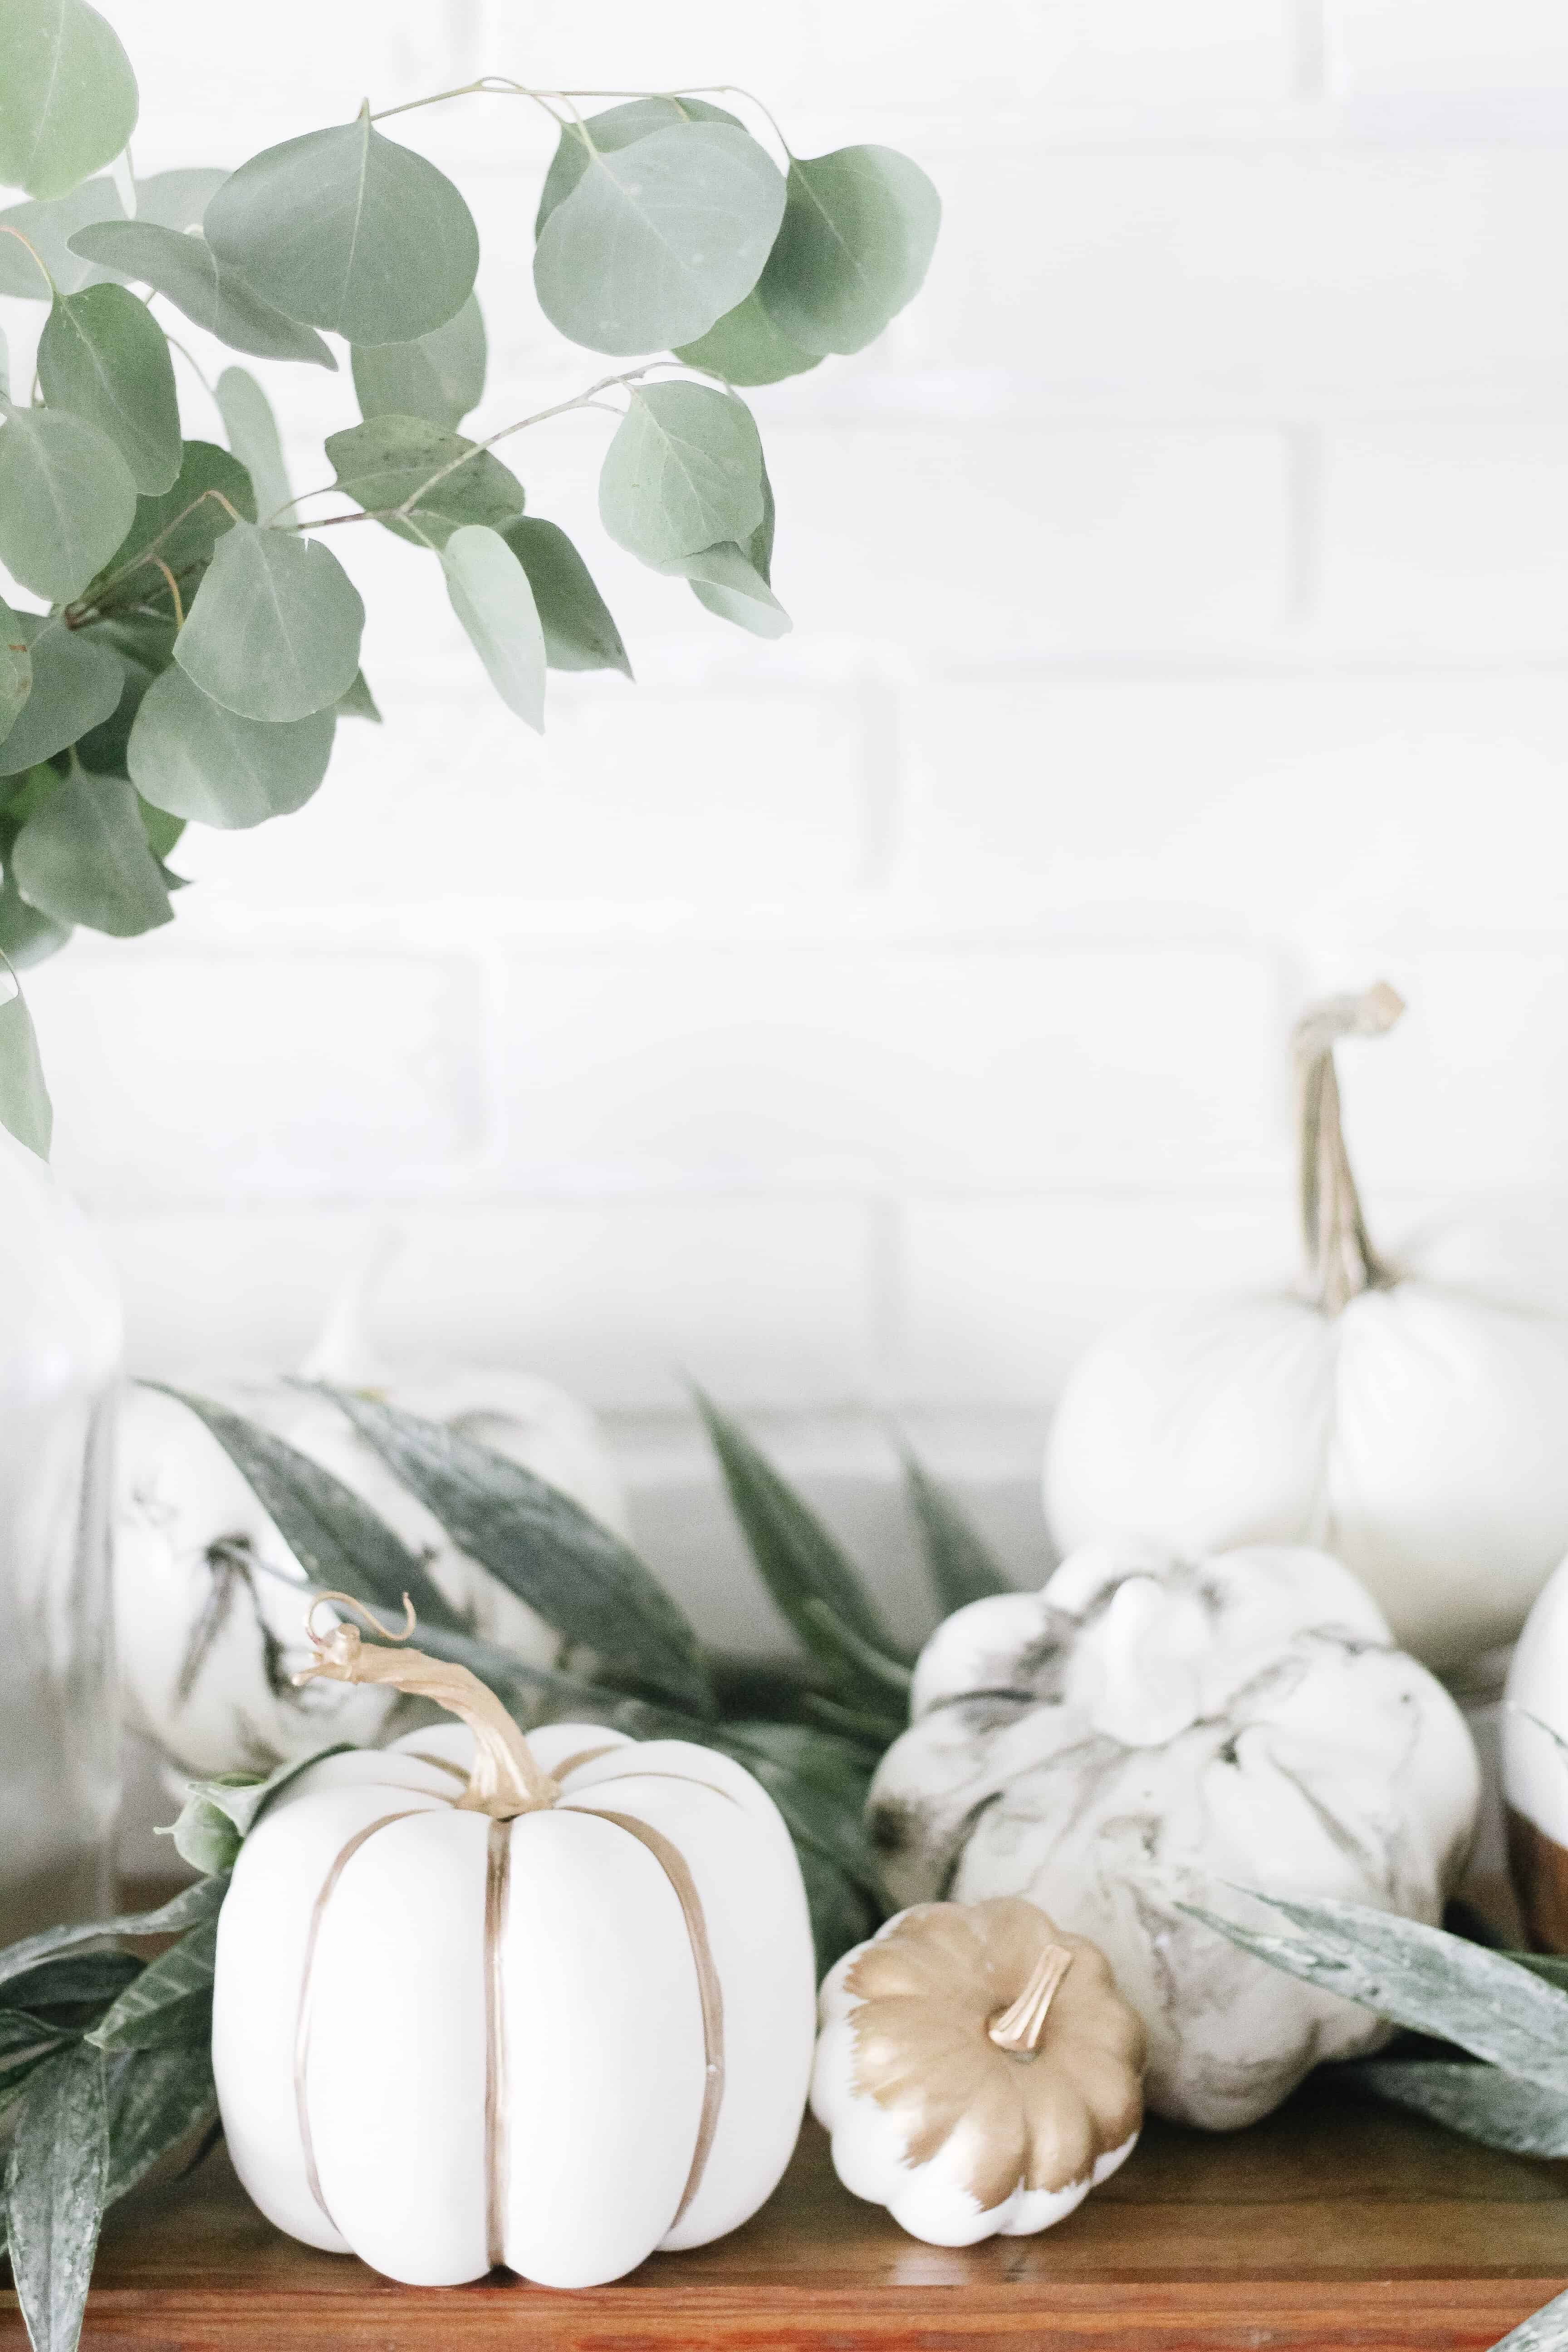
<point x="1336" y="2223"/>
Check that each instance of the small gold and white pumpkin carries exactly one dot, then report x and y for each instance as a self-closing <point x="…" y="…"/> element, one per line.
<point x="482" y="2000"/>
<point x="978" y="2071"/>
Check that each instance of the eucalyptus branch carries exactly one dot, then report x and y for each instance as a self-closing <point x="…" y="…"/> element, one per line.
<point x="540" y="416"/>
<point x="78" y="615"/>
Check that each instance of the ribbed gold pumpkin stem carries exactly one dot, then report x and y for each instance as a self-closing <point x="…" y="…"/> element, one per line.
<point x="1019" y="2026"/>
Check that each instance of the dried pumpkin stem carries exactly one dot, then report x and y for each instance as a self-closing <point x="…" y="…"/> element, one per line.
<point x="1019" y="2027"/>
<point x="1341" y="1261"/>
<point x="504" y="1780"/>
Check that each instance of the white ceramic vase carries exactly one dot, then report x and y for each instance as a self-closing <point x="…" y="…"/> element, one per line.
<point x="59" y="1365"/>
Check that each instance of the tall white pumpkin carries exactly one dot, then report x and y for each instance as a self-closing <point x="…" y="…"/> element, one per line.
<point x="482" y="2000"/>
<point x="1416" y="1432"/>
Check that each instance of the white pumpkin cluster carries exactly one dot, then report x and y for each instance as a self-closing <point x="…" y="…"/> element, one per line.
<point x="1148" y="1733"/>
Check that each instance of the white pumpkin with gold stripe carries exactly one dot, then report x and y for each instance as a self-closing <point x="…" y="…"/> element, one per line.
<point x="481" y="2000"/>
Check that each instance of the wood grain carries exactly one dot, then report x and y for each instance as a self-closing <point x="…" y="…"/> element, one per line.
<point x="1335" y="2224"/>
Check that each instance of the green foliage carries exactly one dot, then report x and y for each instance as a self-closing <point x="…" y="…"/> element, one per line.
<point x="858" y="231"/>
<point x="745" y="347"/>
<point x="76" y="684"/>
<point x="960" y="1568"/>
<point x="579" y="632"/>
<point x="629" y="261"/>
<point x="103" y="357"/>
<point x="393" y="461"/>
<point x="275" y="628"/>
<point x="15" y="669"/>
<point x="492" y="597"/>
<point x="346" y="229"/>
<point x="204" y="288"/>
<point x="438" y="376"/>
<point x="66" y="498"/>
<point x="57" y="2187"/>
<point x="684" y="472"/>
<point x="46" y="228"/>
<point x="83" y="857"/>
<point x="191" y="652"/>
<point x="191" y="758"/>
<point x="68" y="96"/>
<point x="26" y="1111"/>
<point x="253" y="437"/>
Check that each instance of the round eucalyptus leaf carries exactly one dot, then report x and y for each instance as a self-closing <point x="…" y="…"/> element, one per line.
<point x="348" y="230"/>
<point x="185" y="268"/>
<point x="67" y="500"/>
<point x="579" y="632"/>
<point x="68" y="96"/>
<point x="617" y="127"/>
<point x="103" y="356"/>
<point x="193" y="759"/>
<point x="15" y="669"/>
<point x="46" y="228"/>
<point x="254" y="438"/>
<point x="745" y="347"/>
<point x="384" y="462"/>
<point x="858" y="234"/>
<point x="275" y="628"/>
<point x="492" y="596"/>
<point x="658" y="239"/>
<point x="76" y="685"/>
<point x="178" y="199"/>
<point x="82" y="857"/>
<point x="728" y="583"/>
<point x="683" y="472"/>
<point x="25" y="938"/>
<point x="181" y="529"/>
<point x="439" y="376"/>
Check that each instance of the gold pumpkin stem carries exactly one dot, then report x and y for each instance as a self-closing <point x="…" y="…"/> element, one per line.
<point x="1019" y="2027"/>
<point x="505" y="1780"/>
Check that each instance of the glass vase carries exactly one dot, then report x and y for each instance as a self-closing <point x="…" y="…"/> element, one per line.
<point x="59" y="1367"/>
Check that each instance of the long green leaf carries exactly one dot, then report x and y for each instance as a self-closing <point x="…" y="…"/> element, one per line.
<point x="1420" y="1977"/>
<point x="543" y="1547"/>
<point x="799" y="1560"/>
<point x="337" y="1540"/>
<point x="60" y="1989"/>
<point x="493" y="598"/>
<point x="57" y="2188"/>
<point x="1481" y="2102"/>
<point x="961" y="1566"/>
<point x="579" y="632"/>
<point x="184" y="267"/>
<point x="253" y="436"/>
<point x="171" y="2000"/>
<point x="157" y="2100"/>
<point x="26" y="1110"/>
<point x="189" y="1909"/>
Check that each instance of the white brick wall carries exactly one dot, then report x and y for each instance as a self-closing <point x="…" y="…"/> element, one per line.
<point x="1181" y="604"/>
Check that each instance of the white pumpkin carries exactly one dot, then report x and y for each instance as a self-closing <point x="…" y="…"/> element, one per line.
<point x="483" y="2001"/>
<point x="978" y="2071"/>
<point x="1534" y="1741"/>
<point x="1146" y="1733"/>
<point x="1414" y="1431"/>
<point x="209" y="1599"/>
